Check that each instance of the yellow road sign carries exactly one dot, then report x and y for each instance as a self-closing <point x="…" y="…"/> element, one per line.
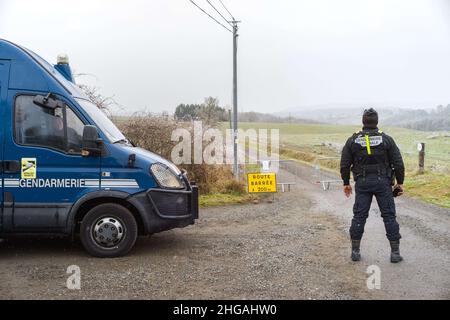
<point x="262" y="182"/>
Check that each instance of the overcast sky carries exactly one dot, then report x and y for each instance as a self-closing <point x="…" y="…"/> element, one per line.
<point x="153" y="55"/>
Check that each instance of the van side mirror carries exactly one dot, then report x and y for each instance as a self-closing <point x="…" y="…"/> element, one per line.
<point x="48" y="101"/>
<point x="91" y="144"/>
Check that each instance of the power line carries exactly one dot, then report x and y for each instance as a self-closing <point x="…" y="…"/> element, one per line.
<point x="233" y="23"/>
<point x="218" y="12"/>
<point x="223" y="5"/>
<point x="210" y="16"/>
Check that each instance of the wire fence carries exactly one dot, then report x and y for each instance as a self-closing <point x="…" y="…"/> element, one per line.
<point x="434" y="162"/>
<point x="322" y="173"/>
<point x="323" y="169"/>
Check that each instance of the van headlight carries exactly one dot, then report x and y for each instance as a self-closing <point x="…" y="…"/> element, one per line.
<point x="165" y="177"/>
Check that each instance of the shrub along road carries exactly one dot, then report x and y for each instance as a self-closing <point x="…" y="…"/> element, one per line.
<point x="294" y="248"/>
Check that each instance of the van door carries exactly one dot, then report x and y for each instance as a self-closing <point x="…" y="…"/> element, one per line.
<point x="52" y="174"/>
<point x="4" y="76"/>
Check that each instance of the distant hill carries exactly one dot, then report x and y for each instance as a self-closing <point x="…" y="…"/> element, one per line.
<point x="419" y="119"/>
<point x="334" y="114"/>
<point x="266" y="117"/>
<point x="437" y="119"/>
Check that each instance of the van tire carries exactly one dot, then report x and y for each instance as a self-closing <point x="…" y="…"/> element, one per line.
<point x="107" y="217"/>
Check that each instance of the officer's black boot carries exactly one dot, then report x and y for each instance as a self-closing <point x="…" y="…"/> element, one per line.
<point x="356" y="255"/>
<point x="395" y="251"/>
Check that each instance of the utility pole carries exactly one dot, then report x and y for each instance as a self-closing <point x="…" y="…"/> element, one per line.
<point x="233" y="24"/>
<point x="235" y="102"/>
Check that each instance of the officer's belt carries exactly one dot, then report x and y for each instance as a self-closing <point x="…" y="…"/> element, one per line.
<point x="374" y="169"/>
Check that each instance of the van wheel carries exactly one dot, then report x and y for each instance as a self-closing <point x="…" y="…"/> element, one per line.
<point x="108" y="230"/>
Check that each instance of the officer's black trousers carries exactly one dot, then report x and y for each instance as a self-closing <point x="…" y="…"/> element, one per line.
<point x="365" y="189"/>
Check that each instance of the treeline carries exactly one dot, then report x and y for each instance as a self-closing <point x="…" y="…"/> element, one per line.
<point x="436" y="119"/>
<point x="210" y="112"/>
<point x="267" y="117"/>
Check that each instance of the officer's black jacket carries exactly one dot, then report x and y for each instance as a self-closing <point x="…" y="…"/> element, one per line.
<point x="395" y="158"/>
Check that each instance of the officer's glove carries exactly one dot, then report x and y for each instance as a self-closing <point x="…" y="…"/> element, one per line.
<point x="348" y="191"/>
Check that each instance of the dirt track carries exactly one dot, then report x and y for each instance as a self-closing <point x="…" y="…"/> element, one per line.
<point x="293" y="248"/>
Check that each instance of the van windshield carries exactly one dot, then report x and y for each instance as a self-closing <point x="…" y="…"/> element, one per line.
<point x="102" y="121"/>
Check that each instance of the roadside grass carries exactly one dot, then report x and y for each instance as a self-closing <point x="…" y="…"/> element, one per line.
<point x="430" y="187"/>
<point x="235" y="193"/>
<point x="223" y="199"/>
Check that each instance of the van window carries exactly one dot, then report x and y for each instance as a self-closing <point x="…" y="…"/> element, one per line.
<point x="102" y="121"/>
<point x="58" y="128"/>
<point x="74" y="131"/>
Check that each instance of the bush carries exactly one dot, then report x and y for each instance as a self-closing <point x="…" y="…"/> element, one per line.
<point x="150" y="132"/>
<point x="154" y="134"/>
<point x="233" y="186"/>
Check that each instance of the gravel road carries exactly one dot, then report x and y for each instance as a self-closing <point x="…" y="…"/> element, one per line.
<point x="295" y="247"/>
<point x="425" y="228"/>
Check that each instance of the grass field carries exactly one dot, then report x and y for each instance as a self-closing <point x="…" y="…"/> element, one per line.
<point x="309" y="142"/>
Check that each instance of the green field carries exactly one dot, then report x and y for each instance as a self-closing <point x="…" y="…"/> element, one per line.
<point x="308" y="142"/>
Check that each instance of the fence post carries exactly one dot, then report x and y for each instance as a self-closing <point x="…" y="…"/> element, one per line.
<point x="421" y="148"/>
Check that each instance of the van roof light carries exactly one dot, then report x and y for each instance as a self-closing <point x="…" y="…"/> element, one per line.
<point x="62" y="58"/>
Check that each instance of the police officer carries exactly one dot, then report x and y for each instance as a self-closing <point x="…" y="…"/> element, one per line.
<point x="376" y="162"/>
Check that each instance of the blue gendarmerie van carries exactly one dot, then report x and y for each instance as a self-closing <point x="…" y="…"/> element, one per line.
<point x="67" y="170"/>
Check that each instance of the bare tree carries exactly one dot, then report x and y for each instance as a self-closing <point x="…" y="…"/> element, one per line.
<point x="102" y="102"/>
<point x="211" y="113"/>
